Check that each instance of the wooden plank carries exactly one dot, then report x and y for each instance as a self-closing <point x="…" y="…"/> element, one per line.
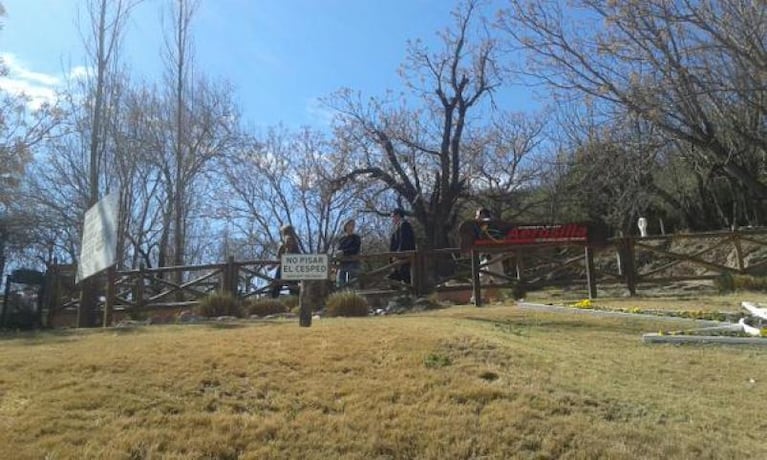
<point x="685" y="258"/>
<point x="590" y="281"/>
<point x="475" y="284"/>
<point x="110" y="296"/>
<point x="184" y="287"/>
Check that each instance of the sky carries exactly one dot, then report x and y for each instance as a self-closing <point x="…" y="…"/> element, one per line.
<point x="281" y="56"/>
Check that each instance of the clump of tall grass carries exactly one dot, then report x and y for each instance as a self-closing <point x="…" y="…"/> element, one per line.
<point x="727" y="282"/>
<point x="517" y="291"/>
<point x="218" y="304"/>
<point x="346" y="303"/>
<point x="264" y="307"/>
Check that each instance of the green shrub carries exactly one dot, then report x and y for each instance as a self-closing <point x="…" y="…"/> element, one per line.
<point x="346" y="303"/>
<point x="725" y="283"/>
<point x="218" y="304"/>
<point x="519" y="290"/>
<point x="264" y="307"/>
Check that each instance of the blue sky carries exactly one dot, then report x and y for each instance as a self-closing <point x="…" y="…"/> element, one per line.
<point x="282" y="56"/>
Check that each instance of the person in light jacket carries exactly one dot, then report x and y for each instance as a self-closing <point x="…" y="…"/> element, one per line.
<point x="491" y="263"/>
<point x="290" y="245"/>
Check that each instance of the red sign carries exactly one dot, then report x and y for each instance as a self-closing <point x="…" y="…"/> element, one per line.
<point x="525" y="234"/>
<point x="499" y="233"/>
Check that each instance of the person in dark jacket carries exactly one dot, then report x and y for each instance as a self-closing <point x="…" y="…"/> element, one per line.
<point x="348" y="245"/>
<point x="402" y="239"/>
<point x="290" y="245"/>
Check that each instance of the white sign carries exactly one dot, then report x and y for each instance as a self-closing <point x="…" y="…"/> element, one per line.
<point x="99" y="245"/>
<point x="304" y="266"/>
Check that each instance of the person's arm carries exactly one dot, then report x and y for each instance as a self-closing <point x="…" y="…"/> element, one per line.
<point x="355" y="242"/>
<point x="344" y="245"/>
<point x="280" y="251"/>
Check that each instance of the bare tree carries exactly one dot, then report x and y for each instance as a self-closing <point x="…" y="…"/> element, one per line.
<point x="419" y="154"/>
<point x="508" y="163"/>
<point x="695" y="69"/>
<point x="140" y="133"/>
<point x="106" y="22"/>
<point x="286" y="178"/>
<point x="203" y="122"/>
<point x="22" y="128"/>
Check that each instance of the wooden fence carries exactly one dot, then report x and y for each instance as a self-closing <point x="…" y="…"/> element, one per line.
<point x="631" y="262"/>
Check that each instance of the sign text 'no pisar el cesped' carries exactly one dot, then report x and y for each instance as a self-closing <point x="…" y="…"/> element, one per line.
<point x="304" y="266"/>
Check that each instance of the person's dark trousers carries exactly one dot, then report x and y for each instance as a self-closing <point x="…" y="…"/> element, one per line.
<point x="402" y="273"/>
<point x="276" y="284"/>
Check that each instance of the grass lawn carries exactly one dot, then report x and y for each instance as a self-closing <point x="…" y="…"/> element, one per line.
<point x="495" y="382"/>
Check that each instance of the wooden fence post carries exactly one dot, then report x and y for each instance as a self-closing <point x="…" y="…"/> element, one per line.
<point x="52" y="290"/>
<point x="229" y="277"/>
<point x="416" y="272"/>
<point x="234" y="273"/>
<point x="626" y="246"/>
<point x="591" y="281"/>
<point x="140" y="289"/>
<point x="305" y="300"/>
<point x="738" y="250"/>
<point x="5" y="299"/>
<point x="111" y="291"/>
<point x="475" y="285"/>
<point x="87" y="309"/>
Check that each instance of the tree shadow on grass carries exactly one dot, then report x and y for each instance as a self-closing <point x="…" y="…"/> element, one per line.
<point x="54" y="336"/>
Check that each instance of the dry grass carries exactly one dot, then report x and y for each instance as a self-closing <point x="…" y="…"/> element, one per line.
<point x="496" y="382"/>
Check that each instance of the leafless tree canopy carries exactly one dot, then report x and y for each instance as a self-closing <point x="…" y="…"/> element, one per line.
<point x="419" y="151"/>
<point x="695" y="69"/>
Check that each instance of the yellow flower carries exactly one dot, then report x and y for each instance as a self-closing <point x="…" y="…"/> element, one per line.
<point x="585" y="303"/>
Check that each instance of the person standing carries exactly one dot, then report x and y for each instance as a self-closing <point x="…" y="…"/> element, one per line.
<point x="490" y="263"/>
<point x="402" y="239"/>
<point x="290" y="245"/>
<point x="348" y="246"/>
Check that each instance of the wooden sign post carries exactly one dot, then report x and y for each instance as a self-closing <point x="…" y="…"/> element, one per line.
<point x="312" y="271"/>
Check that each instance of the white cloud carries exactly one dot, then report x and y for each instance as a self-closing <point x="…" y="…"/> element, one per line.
<point x="20" y="71"/>
<point x="78" y="72"/>
<point x="20" y="80"/>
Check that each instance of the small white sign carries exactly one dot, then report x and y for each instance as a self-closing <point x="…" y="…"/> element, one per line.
<point x="304" y="266"/>
<point x="99" y="244"/>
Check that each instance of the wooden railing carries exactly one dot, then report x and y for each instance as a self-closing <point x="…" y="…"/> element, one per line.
<point x="632" y="262"/>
